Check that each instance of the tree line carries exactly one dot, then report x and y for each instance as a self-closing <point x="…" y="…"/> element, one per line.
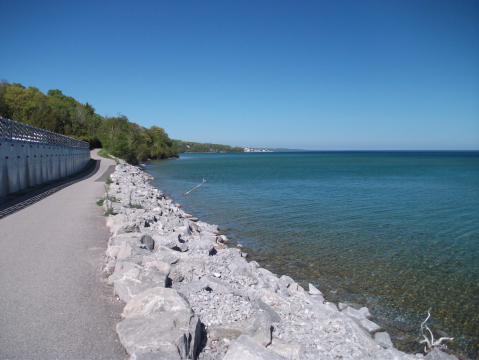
<point x="63" y="114"/>
<point x="190" y="147"/>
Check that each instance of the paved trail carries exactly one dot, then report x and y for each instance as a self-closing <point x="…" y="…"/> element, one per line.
<point x="54" y="302"/>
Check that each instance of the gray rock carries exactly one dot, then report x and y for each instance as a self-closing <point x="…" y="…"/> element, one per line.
<point x="353" y="313"/>
<point x="286" y="281"/>
<point x="331" y="306"/>
<point x="121" y="267"/>
<point x="155" y="300"/>
<point x="170" y="257"/>
<point x="148" y="242"/>
<point x="204" y="246"/>
<point x="436" y="354"/>
<point x="313" y="290"/>
<point x="175" y="334"/>
<point x="383" y="339"/>
<point x="244" y="347"/>
<point x="124" y="252"/>
<point x="271" y="298"/>
<point x="228" y="331"/>
<point x="318" y="298"/>
<point x="187" y="288"/>
<point x="366" y="312"/>
<point x="150" y="356"/>
<point x="127" y="228"/>
<point x="170" y="241"/>
<point x="134" y="282"/>
<point x="160" y="320"/>
<point x="240" y="266"/>
<point x="289" y="351"/>
<point x="369" y="326"/>
<point x="263" y="328"/>
<point x="273" y="315"/>
<point x="223" y="239"/>
<point x="342" y="306"/>
<point x="210" y="237"/>
<point x="217" y="285"/>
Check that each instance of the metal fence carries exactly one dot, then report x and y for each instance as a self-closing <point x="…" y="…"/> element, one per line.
<point x="14" y="131"/>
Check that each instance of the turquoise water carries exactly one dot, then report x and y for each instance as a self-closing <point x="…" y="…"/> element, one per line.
<point x="395" y="231"/>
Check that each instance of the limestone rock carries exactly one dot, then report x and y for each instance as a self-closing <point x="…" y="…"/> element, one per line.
<point x="366" y="312"/>
<point x="160" y="320"/>
<point x="148" y="242"/>
<point x="262" y="327"/>
<point x="289" y="351"/>
<point x="332" y="306"/>
<point x="135" y="281"/>
<point x="273" y="315"/>
<point x="383" y="339"/>
<point x="175" y="334"/>
<point x="353" y="313"/>
<point x="204" y="246"/>
<point x="155" y="300"/>
<point x="247" y="348"/>
<point x="124" y="251"/>
<point x="369" y="326"/>
<point x="437" y="354"/>
<point x="313" y="290"/>
<point x="127" y="228"/>
<point x="150" y="356"/>
<point x="271" y="298"/>
<point x="227" y="331"/>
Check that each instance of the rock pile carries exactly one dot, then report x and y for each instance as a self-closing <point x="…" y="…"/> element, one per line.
<point x="189" y="296"/>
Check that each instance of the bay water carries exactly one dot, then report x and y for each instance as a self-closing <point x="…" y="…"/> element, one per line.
<point x="397" y="232"/>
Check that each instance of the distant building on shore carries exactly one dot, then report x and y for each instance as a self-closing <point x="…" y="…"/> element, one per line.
<point x="247" y="149"/>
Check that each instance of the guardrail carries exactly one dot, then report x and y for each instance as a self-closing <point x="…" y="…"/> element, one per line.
<point x="31" y="156"/>
<point x="15" y="131"/>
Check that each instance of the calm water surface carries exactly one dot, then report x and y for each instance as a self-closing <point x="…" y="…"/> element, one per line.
<point x="395" y="231"/>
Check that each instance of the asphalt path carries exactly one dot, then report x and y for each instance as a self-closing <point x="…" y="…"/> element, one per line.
<point x="54" y="300"/>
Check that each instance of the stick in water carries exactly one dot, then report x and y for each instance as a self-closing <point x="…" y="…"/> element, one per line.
<point x="186" y="193"/>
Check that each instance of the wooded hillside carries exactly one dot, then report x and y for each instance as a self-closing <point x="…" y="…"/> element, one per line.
<point x="65" y="115"/>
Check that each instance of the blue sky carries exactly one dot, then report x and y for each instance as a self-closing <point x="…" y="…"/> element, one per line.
<point x="325" y="75"/>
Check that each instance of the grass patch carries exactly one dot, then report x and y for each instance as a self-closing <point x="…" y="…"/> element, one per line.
<point x="109" y="180"/>
<point x="100" y="202"/>
<point x="104" y="153"/>
<point x="137" y="206"/>
<point x="109" y="211"/>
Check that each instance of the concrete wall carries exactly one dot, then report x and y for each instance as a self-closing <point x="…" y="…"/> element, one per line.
<point x="24" y="164"/>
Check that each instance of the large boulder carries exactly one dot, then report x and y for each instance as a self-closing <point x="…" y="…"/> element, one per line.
<point x="160" y="320"/>
<point x="383" y="339"/>
<point x="245" y="347"/>
<point x="262" y="327"/>
<point x="203" y="246"/>
<point x="437" y="354"/>
<point x="135" y="281"/>
<point x="289" y="351"/>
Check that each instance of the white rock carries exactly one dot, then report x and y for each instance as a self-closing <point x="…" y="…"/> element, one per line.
<point x="289" y="351"/>
<point x="248" y="349"/>
<point x="313" y="290"/>
<point x="383" y="339"/>
<point x="369" y="326"/>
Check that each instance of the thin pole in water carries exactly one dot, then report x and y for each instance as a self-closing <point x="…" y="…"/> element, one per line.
<point x="186" y="193"/>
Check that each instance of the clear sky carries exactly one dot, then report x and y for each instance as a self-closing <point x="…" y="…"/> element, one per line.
<point x="325" y="75"/>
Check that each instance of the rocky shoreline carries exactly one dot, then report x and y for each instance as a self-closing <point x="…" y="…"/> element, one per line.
<point x="190" y="296"/>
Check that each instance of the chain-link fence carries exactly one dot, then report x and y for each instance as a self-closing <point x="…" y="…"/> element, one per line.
<point x="14" y="131"/>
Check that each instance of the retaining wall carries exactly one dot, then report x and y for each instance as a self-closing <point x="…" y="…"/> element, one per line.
<point x="24" y="164"/>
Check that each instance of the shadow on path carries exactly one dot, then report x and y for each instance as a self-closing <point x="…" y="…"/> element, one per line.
<point x="12" y="206"/>
<point x="108" y="172"/>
